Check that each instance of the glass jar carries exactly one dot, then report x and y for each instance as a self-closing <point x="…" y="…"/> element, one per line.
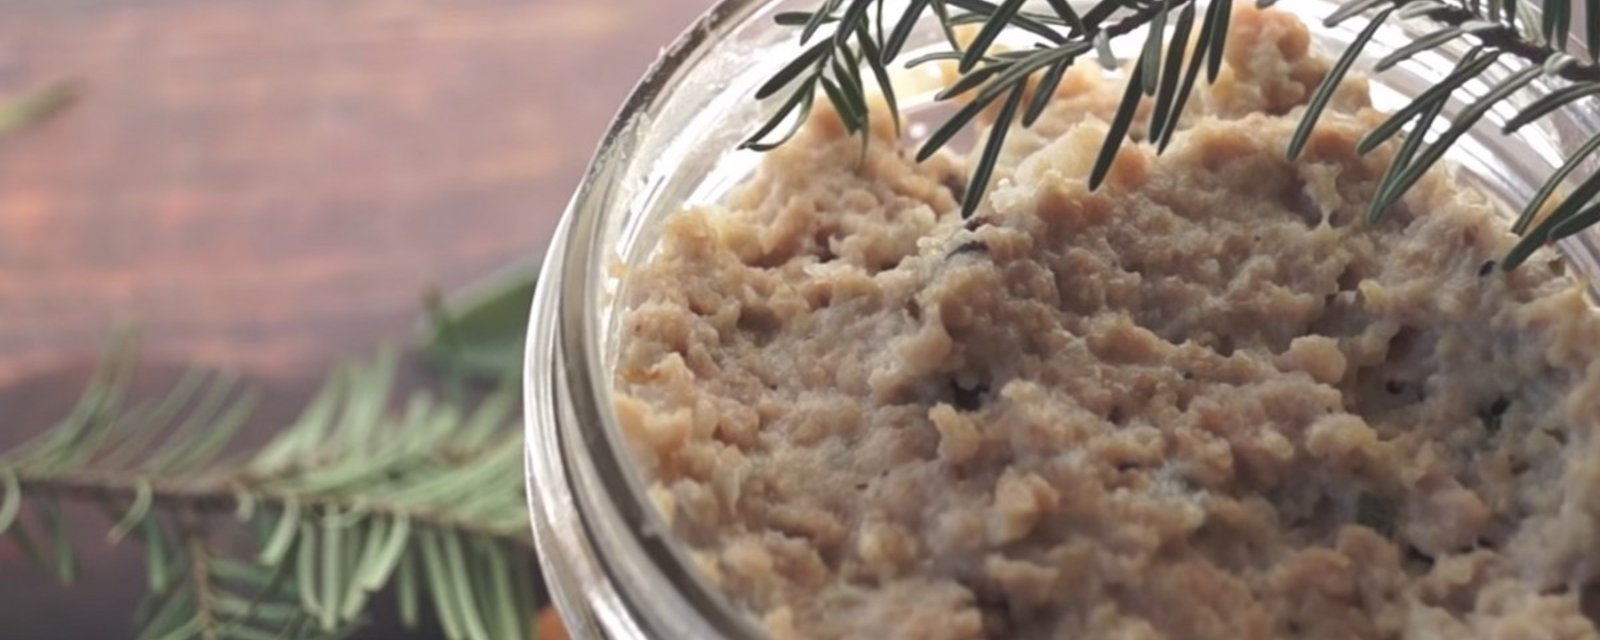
<point x="611" y="565"/>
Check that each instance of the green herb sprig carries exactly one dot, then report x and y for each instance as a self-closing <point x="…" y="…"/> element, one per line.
<point x="1167" y="68"/>
<point x="294" y="539"/>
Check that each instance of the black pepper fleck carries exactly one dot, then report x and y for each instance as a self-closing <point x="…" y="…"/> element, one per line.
<point x="1486" y="269"/>
<point x="1492" y="414"/>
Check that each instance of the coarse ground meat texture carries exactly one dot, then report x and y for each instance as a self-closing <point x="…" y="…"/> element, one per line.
<point x="1207" y="400"/>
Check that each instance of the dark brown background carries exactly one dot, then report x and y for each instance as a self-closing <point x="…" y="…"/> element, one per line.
<point x="269" y="186"/>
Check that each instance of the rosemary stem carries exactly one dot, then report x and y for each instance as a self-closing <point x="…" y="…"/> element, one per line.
<point x="218" y="495"/>
<point x="1507" y="39"/>
<point x="200" y="573"/>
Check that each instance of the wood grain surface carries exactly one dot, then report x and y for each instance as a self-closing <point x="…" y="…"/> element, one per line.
<point x="269" y="186"/>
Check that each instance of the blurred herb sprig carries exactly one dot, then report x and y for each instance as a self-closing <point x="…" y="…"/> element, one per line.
<point x="291" y="540"/>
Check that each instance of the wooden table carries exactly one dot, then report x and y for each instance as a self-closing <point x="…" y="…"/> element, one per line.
<point x="269" y="186"/>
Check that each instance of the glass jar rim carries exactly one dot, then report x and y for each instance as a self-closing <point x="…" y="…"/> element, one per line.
<point x="575" y="244"/>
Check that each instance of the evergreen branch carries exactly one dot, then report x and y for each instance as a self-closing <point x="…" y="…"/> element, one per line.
<point x="1509" y="27"/>
<point x="328" y="510"/>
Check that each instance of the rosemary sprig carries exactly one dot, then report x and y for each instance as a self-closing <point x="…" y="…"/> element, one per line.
<point x="1167" y="69"/>
<point x="292" y="540"/>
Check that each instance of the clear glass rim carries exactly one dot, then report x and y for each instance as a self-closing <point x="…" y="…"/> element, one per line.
<point x="568" y="285"/>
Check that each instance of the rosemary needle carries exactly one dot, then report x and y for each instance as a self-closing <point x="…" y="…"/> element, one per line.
<point x="37" y="106"/>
